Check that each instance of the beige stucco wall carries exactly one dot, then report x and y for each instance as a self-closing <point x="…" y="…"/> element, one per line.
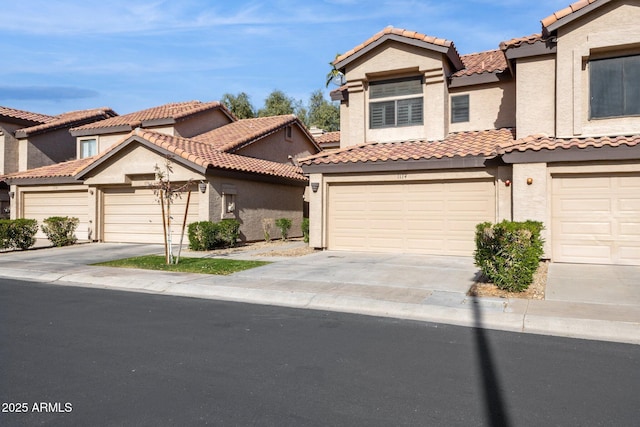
<point x="611" y="27"/>
<point x="46" y="149"/>
<point x="491" y="106"/>
<point x="391" y="60"/>
<point x="277" y="148"/>
<point x="536" y="94"/>
<point x="8" y="152"/>
<point x="201" y="123"/>
<point x="255" y="201"/>
<point x="531" y="201"/>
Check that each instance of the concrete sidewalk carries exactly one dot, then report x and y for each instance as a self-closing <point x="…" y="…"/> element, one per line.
<point x="592" y="302"/>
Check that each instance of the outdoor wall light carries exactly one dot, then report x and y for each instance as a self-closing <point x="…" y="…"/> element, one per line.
<point x="202" y="187"/>
<point x="12" y="194"/>
<point x="529" y="181"/>
<point x="507" y="183"/>
<point x="315" y="186"/>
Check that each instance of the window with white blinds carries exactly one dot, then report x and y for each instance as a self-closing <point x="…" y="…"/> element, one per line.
<point x="407" y="110"/>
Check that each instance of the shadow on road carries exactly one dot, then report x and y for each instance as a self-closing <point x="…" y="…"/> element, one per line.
<point x="495" y="406"/>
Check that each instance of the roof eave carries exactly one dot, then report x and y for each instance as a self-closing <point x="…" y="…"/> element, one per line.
<point x="479" y="79"/>
<point x="102" y="130"/>
<point x="526" y="50"/>
<point x="549" y="29"/>
<point x="573" y="154"/>
<point x="44" y="180"/>
<point x="455" y="162"/>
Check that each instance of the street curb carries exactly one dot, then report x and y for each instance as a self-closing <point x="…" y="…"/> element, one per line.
<point x="467" y="315"/>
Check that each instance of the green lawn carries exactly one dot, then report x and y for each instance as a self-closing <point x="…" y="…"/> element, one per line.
<point x="186" y="265"/>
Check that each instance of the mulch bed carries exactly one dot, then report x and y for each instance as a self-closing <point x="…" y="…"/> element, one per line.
<point x="535" y="291"/>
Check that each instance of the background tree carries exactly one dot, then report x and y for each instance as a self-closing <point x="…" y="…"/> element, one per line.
<point x="239" y="105"/>
<point x="277" y="104"/>
<point x="322" y="113"/>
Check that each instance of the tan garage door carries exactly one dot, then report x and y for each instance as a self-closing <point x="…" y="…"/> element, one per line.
<point x="133" y="215"/>
<point x="596" y="219"/>
<point x="41" y="205"/>
<point x="427" y="218"/>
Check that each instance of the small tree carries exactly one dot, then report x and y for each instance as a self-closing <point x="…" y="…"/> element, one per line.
<point x="284" y="224"/>
<point x="166" y="194"/>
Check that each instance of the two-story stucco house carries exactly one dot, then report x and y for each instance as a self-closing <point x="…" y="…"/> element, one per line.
<point x="242" y="169"/>
<point x="547" y="128"/>
<point x="29" y="140"/>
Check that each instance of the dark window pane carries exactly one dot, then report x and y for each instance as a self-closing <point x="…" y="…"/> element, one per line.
<point x="381" y="114"/>
<point x="459" y="108"/>
<point x="631" y="82"/>
<point x="409" y="112"/>
<point x="614" y="86"/>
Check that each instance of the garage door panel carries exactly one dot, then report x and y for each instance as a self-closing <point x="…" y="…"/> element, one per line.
<point x="42" y="205"/>
<point x="134" y="215"/>
<point x="420" y="217"/>
<point x="596" y="219"/>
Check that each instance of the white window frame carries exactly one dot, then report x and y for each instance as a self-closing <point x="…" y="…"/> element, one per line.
<point x="85" y="143"/>
<point x="393" y="103"/>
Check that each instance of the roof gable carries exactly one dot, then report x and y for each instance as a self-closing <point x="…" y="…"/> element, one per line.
<point x="195" y="155"/>
<point x="403" y="36"/>
<point x="233" y="136"/>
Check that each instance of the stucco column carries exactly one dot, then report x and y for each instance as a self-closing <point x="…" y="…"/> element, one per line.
<point x="530" y="196"/>
<point x="92" y="214"/>
<point x="316" y="220"/>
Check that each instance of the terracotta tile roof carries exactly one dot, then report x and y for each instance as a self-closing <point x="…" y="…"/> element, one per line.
<point x="574" y="7"/>
<point x="543" y="142"/>
<point x="67" y="120"/>
<point x="397" y="31"/>
<point x="24" y="115"/>
<point x="208" y="157"/>
<point x="58" y="170"/>
<point x="234" y="135"/>
<point x="482" y="62"/>
<point x="328" y="138"/>
<point x="519" y="41"/>
<point x="136" y="119"/>
<point x="462" y="144"/>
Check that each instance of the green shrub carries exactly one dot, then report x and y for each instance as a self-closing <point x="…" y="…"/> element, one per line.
<point x="229" y="231"/>
<point x="208" y="235"/>
<point x="17" y="233"/>
<point x="284" y="224"/>
<point x="4" y="233"/>
<point x="508" y="253"/>
<point x="61" y="230"/>
<point x="203" y="235"/>
<point x="305" y="229"/>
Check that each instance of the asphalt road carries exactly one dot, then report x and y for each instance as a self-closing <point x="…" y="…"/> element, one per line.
<point x="77" y="356"/>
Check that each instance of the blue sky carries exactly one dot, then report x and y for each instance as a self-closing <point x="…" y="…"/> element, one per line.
<point x="68" y="55"/>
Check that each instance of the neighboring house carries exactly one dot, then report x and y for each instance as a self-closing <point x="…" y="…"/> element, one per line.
<point x="29" y="140"/>
<point x="109" y="186"/>
<point x="326" y="140"/>
<point x="432" y="142"/>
